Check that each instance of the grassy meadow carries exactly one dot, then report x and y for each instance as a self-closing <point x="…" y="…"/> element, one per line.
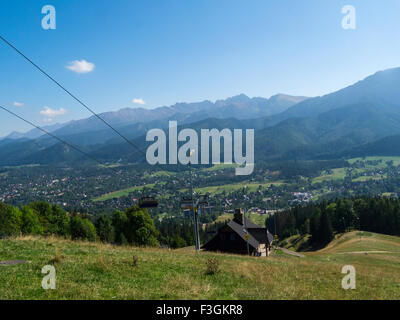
<point x="340" y="173"/>
<point x="122" y="193"/>
<point x="255" y="217"/>
<point x="101" y="271"/>
<point x="227" y="188"/>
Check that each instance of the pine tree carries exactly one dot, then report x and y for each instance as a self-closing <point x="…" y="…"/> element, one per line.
<point x="325" y="229"/>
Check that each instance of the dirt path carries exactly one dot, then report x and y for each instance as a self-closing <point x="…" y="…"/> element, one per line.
<point x="365" y="252"/>
<point x="12" y="262"/>
<point x="292" y="253"/>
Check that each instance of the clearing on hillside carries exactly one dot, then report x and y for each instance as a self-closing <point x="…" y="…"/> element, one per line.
<point x="99" y="271"/>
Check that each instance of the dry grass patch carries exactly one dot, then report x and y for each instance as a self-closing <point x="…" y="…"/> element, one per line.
<point x="184" y="286"/>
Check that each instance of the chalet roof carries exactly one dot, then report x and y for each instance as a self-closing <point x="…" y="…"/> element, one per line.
<point x="257" y="234"/>
<point x="250" y="224"/>
<point x="262" y="235"/>
<point x="238" y="228"/>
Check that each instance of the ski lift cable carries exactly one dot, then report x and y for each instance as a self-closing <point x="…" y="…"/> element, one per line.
<point x="75" y="98"/>
<point x="145" y="202"/>
<point x="57" y="138"/>
<point x="70" y="94"/>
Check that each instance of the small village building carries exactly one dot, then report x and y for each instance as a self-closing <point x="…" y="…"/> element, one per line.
<point x="241" y="236"/>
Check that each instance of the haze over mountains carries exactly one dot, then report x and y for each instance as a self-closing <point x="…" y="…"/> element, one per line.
<point x="240" y="107"/>
<point x="348" y="122"/>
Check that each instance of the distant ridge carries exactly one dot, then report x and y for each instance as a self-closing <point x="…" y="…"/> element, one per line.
<point x="380" y="88"/>
<point x="356" y="120"/>
<point x="240" y="107"/>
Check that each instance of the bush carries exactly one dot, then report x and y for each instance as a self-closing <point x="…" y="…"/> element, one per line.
<point x="123" y="240"/>
<point x="82" y="229"/>
<point x="105" y="229"/>
<point x="119" y="222"/>
<point x="10" y="220"/>
<point x="30" y="222"/>
<point x="135" y="261"/>
<point x="53" y="219"/>
<point x="177" y="242"/>
<point x="212" y="266"/>
<point x="136" y="226"/>
<point x="57" y="258"/>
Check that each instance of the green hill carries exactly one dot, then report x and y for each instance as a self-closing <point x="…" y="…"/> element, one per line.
<point x="99" y="271"/>
<point x="363" y="242"/>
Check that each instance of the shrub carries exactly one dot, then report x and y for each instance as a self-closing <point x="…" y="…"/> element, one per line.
<point x="101" y="260"/>
<point x="57" y="258"/>
<point x="53" y="219"/>
<point x="10" y="220"/>
<point x="30" y="221"/>
<point x="119" y="222"/>
<point x="59" y="222"/>
<point x="177" y="242"/>
<point x="82" y="229"/>
<point x="105" y="229"/>
<point x="135" y="261"/>
<point x="212" y="266"/>
<point x="123" y="240"/>
<point x="136" y="226"/>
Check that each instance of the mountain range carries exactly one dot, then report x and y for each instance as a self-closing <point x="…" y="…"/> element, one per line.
<point x="350" y="122"/>
<point x="239" y="107"/>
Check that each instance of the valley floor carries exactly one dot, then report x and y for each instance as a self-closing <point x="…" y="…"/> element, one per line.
<point x="98" y="271"/>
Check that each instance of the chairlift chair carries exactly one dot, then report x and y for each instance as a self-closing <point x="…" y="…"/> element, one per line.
<point x="148" y="202"/>
<point x="186" y="203"/>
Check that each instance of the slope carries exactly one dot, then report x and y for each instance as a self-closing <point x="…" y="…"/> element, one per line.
<point x="99" y="271"/>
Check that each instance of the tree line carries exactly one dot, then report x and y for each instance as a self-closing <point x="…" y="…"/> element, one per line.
<point x="322" y="220"/>
<point x="132" y="226"/>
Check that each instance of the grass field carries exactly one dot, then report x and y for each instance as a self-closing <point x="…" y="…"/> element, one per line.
<point x="98" y="271"/>
<point x="396" y="160"/>
<point x="337" y="174"/>
<point x="113" y="165"/>
<point x="369" y="178"/>
<point x="340" y="173"/>
<point x="221" y="166"/>
<point x="296" y="243"/>
<point x="256" y="218"/>
<point x="233" y="187"/>
<point x="121" y="193"/>
<point x="162" y="173"/>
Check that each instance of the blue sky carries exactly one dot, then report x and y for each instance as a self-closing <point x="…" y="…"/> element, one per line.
<point x="168" y="51"/>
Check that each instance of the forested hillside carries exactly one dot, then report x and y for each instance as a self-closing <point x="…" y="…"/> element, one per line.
<point x="323" y="220"/>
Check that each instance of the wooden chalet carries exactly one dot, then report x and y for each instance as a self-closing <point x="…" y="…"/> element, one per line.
<point x="241" y="236"/>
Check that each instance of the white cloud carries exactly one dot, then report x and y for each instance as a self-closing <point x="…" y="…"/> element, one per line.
<point x="47" y="120"/>
<point x="49" y="112"/>
<point x="138" y="101"/>
<point x="80" y="66"/>
<point x="18" y="104"/>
